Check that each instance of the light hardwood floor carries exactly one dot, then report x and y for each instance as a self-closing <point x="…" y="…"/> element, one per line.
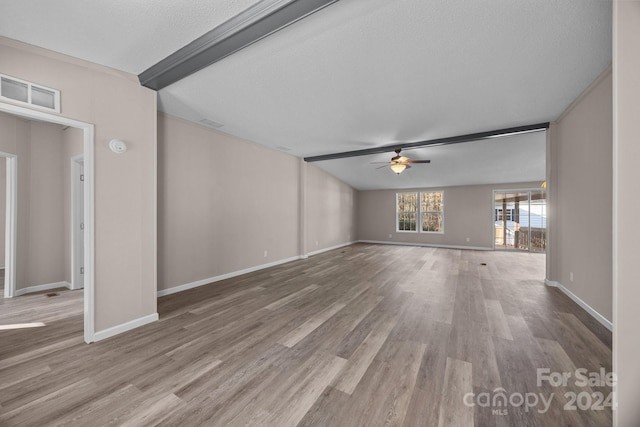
<point x="367" y="335"/>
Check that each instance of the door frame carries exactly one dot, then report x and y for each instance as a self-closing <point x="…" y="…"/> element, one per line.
<point x="10" y="242"/>
<point x="77" y="252"/>
<point x="89" y="206"/>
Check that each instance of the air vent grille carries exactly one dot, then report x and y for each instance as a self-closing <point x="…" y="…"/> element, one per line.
<point x="211" y="123"/>
<point x="29" y="93"/>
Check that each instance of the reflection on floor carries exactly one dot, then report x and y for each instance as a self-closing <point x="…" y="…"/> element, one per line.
<point x="366" y="335"/>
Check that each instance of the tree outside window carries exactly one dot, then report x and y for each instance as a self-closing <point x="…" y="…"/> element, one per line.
<point x="431" y="210"/>
<point x="424" y="208"/>
<point x="407" y="211"/>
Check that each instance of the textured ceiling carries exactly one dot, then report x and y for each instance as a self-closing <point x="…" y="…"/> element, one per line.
<point x="128" y="35"/>
<point x="369" y="73"/>
<point x="357" y="74"/>
<point x="517" y="158"/>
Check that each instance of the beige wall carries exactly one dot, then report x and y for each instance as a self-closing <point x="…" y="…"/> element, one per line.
<point x="331" y="210"/>
<point x="223" y="202"/>
<point x="43" y="216"/>
<point x="626" y="343"/>
<point x="3" y="204"/>
<point x="580" y="190"/>
<point x="72" y="145"/>
<point x="8" y="138"/>
<point x="125" y="185"/>
<point x="468" y="213"/>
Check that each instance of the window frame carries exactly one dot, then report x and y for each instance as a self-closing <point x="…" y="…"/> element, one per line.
<point x="499" y="214"/>
<point x="419" y="212"/>
<point x="30" y="88"/>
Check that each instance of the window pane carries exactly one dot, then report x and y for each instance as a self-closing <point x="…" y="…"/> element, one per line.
<point x="432" y="222"/>
<point x="538" y="221"/>
<point x="407" y="202"/>
<point x="407" y="211"/>
<point x="14" y="90"/>
<point x="406" y="221"/>
<point x="42" y="97"/>
<point x="432" y="201"/>
<point x="520" y="220"/>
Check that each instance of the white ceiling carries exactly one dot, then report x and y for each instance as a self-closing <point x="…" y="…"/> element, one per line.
<point x="128" y="35"/>
<point x="517" y="158"/>
<point x="358" y="74"/>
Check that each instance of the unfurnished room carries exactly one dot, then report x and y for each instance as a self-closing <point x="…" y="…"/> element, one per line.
<point x="319" y="213"/>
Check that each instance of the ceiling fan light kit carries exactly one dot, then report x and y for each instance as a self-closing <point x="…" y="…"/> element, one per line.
<point x="399" y="163"/>
<point x="398" y="168"/>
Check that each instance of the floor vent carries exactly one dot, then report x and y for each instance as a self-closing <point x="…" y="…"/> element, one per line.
<point x="28" y="93"/>
<point x="53" y="294"/>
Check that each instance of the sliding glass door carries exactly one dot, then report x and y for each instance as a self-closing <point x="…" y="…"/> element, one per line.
<point x="520" y="220"/>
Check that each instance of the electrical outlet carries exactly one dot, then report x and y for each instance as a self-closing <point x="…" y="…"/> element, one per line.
<point x="265" y="254"/>
<point x="468" y="239"/>
<point x="571" y="276"/>
<point x="389" y="235"/>
<point x="316" y="243"/>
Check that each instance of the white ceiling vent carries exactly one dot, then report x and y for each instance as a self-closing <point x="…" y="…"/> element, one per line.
<point x="29" y="93"/>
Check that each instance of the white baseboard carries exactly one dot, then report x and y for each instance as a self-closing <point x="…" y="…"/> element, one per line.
<point x="209" y="280"/>
<point x="551" y="283"/>
<point x="342" y="245"/>
<point x="214" y="279"/>
<point x="427" y="245"/>
<point x="40" y="288"/>
<point x="124" y="327"/>
<point x="599" y="317"/>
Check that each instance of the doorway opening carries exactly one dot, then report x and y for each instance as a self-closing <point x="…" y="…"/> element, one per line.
<point x="84" y="259"/>
<point x="520" y="220"/>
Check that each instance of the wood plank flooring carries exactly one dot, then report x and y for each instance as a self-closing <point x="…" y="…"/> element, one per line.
<point x="367" y="335"/>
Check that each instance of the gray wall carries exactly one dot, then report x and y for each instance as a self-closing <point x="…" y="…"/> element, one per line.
<point x="223" y="202"/>
<point x="626" y="345"/>
<point x="468" y="213"/>
<point x="331" y="210"/>
<point x="580" y="186"/>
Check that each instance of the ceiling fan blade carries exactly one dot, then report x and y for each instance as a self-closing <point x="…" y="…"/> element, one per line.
<point x="418" y="161"/>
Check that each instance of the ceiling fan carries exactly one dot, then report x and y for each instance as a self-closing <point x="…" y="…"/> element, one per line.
<point x="399" y="163"/>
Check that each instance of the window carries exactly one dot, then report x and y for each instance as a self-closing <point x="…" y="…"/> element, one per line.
<point x="407" y="209"/>
<point x="424" y="208"/>
<point x="431" y="211"/>
<point x="520" y="220"/>
<point x="508" y="216"/>
<point x="29" y="93"/>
